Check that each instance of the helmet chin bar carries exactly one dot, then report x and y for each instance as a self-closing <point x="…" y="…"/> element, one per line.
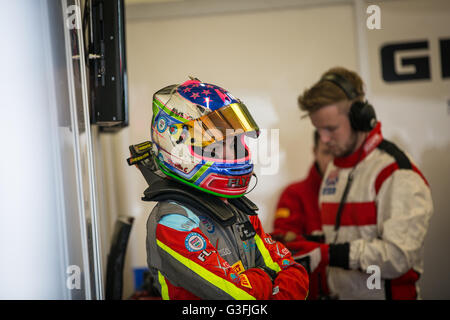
<point x="223" y="186"/>
<point x="227" y="185"/>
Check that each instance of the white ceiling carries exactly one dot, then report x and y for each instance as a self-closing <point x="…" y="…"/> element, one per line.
<point x="132" y="2"/>
<point x="162" y="9"/>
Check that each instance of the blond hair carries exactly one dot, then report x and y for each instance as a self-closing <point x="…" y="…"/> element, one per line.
<point x="324" y="93"/>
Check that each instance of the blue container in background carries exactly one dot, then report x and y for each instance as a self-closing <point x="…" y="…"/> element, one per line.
<point x="139" y="277"/>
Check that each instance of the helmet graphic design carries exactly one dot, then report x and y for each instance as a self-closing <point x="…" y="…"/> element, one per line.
<point x="199" y="130"/>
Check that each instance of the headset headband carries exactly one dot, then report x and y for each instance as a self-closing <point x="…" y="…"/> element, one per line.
<point x="342" y="83"/>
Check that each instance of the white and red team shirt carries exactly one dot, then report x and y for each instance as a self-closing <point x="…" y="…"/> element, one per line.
<point x="385" y="219"/>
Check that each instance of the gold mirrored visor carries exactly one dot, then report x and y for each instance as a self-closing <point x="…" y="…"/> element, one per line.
<point x="215" y="126"/>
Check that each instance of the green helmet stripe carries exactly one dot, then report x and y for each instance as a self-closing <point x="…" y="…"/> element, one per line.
<point x="155" y="109"/>
<point x="165" y="170"/>
<point x="166" y="110"/>
<point x="201" y="171"/>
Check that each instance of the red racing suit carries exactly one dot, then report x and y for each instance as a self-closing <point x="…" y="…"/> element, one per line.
<point x="298" y="212"/>
<point x="377" y="252"/>
<point x="298" y="207"/>
<point x="193" y="256"/>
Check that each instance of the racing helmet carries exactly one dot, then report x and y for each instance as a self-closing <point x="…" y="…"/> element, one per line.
<point x="198" y="130"/>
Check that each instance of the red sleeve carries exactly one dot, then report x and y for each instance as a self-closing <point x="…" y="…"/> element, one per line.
<point x="292" y="279"/>
<point x="289" y="215"/>
<point x="194" y="263"/>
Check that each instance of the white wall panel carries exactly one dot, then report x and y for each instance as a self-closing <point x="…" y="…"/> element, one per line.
<point x="46" y="187"/>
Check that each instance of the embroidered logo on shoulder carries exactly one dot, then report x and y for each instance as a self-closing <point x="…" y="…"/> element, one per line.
<point x="188" y="225"/>
<point x="238" y="267"/>
<point x="285" y="263"/>
<point x="248" y="245"/>
<point x="208" y="224"/>
<point x="269" y="240"/>
<point x="194" y="242"/>
<point x="245" y="282"/>
<point x="224" y="251"/>
<point x="204" y="255"/>
<point x="235" y="277"/>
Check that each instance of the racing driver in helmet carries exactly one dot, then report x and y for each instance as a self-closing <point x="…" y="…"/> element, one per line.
<point x="204" y="237"/>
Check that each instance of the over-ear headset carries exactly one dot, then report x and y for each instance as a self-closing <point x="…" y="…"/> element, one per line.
<point x="362" y="114"/>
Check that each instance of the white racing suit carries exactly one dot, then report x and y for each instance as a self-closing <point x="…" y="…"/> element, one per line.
<point x="383" y="222"/>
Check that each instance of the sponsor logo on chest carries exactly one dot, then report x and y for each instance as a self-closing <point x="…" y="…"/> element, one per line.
<point x="331" y="182"/>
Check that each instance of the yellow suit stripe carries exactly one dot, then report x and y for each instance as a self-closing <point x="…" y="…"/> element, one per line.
<point x="266" y="255"/>
<point x="164" y="288"/>
<point x="207" y="275"/>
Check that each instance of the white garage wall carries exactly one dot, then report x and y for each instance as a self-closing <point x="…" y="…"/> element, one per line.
<point x="266" y="58"/>
<point x="416" y="116"/>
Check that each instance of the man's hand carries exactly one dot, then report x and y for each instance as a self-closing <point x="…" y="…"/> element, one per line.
<point x="309" y="254"/>
<point x="289" y="236"/>
<point x="312" y="254"/>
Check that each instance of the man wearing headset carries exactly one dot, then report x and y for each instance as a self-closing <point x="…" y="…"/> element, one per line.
<point x="375" y="203"/>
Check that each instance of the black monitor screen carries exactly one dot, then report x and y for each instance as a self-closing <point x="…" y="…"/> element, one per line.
<point x="108" y="71"/>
